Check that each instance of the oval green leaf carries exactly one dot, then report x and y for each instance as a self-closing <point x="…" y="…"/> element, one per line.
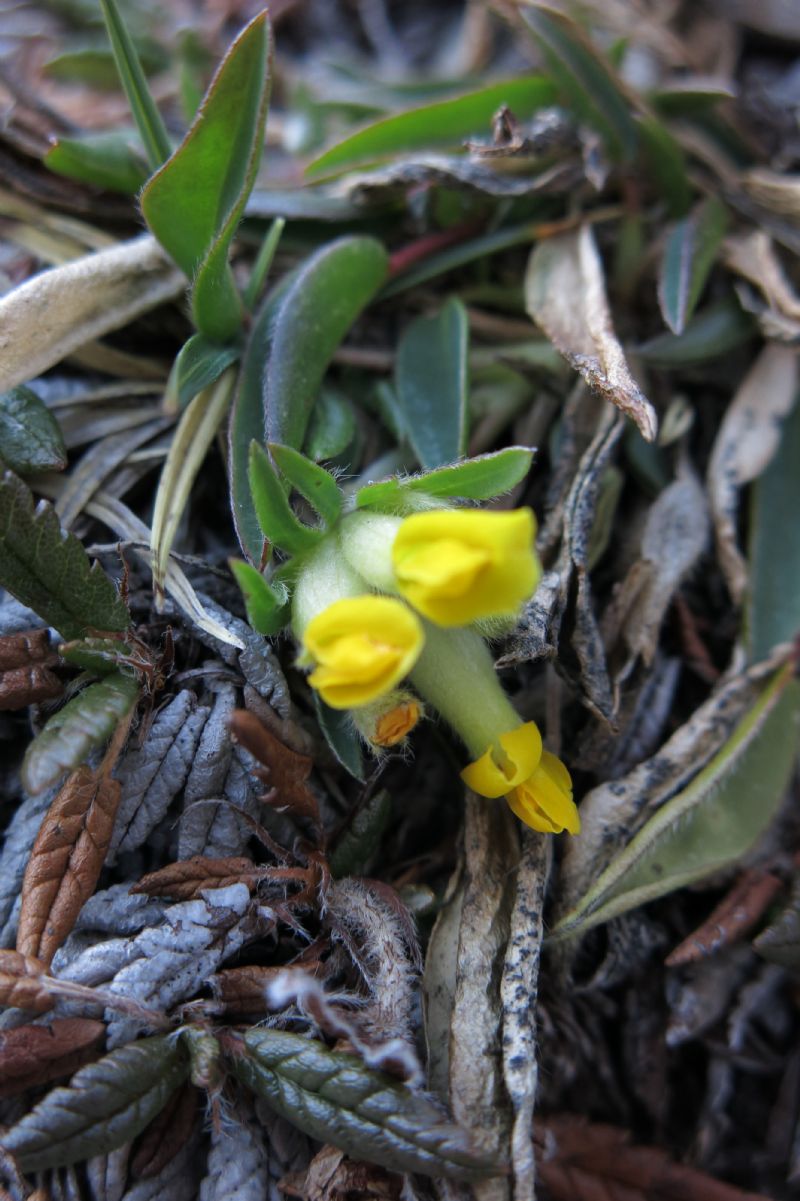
<point x="480" y="478"/>
<point x="313" y="482"/>
<point x="266" y="603"/>
<point x="199" y="363"/>
<point x="689" y="255"/>
<point x="431" y="384"/>
<point x="30" y="436"/>
<point x="276" y="518"/>
<point x="112" y="159"/>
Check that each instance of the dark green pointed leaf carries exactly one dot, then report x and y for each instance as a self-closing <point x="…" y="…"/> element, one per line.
<point x="85" y="722"/>
<point x="110" y="159"/>
<point x="49" y="571"/>
<point x="713" y="332"/>
<point x="194" y="203"/>
<point x="272" y="507"/>
<point x="341" y="736"/>
<point x="260" y="269"/>
<point x="666" y="164"/>
<point x="585" y="79"/>
<point x="105" y="1105"/>
<point x="475" y="479"/>
<point x="143" y="108"/>
<point x="199" y="363"/>
<point x="431" y="384"/>
<point x="773" y="605"/>
<point x="267" y="604"/>
<point x="689" y="255"/>
<point x="361" y="839"/>
<point x="30" y="436"/>
<point x="445" y="122"/>
<point x="333" y="1097"/>
<point x="314" y="483"/>
<point x="710" y="823"/>
<point x="332" y="426"/>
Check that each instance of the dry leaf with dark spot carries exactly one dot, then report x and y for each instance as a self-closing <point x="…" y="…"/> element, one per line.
<point x="66" y="860"/>
<point x="287" y="772"/>
<point x="32" y="1055"/>
<point x="185" y="879"/>
<point x="21" y="983"/>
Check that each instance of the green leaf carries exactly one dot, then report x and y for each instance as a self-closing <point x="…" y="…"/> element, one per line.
<point x="585" y="79"/>
<point x="666" y="163"/>
<point x="431" y="384"/>
<point x="267" y="604"/>
<point x="199" y="363"/>
<point x="272" y="507"/>
<point x="314" y="483"/>
<point x="247" y="426"/>
<point x="711" y="333"/>
<point x="85" y="722"/>
<point x="773" y="605"/>
<point x="315" y="311"/>
<point x="362" y="838"/>
<point x="331" y="428"/>
<point x="260" y="268"/>
<point x="341" y="737"/>
<point x="30" y="436"/>
<point x="689" y="255"/>
<point x="49" y="571"/>
<point x="147" y="117"/>
<point x="475" y="479"/>
<point x="710" y="823"/>
<point x="445" y="122"/>
<point x="97" y="655"/>
<point x="196" y="430"/>
<point x="111" y="159"/>
<point x="334" y="1098"/>
<point x="104" y="1106"/>
<point x="194" y="203"/>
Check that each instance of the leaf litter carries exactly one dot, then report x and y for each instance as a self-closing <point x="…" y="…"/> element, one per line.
<point x="185" y="923"/>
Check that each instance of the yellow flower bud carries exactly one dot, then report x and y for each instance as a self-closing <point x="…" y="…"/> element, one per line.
<point x="459" y="565"/>
<point x="361" y="647"/>
<point x="386" y="722"/>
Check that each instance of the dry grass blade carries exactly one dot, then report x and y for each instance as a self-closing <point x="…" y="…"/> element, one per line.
<point x="66" y="860"/>
<point x="23" y="983"/>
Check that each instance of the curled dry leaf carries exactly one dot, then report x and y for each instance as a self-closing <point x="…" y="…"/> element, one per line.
<point x="287" y="771"/>
<point x="331" y="1176"/>
<point x="184" y="880"/>
<point x="565" y="295"/>
<point x="22" y="983"/>
<point x="245" y="990"/>
<point x="66" y="860"/>
<point x="736" y="914"/>
<point x="238" y="1160"/>
<point x="33" y="1055"/>
<point x="25" y="658"/>
<point x="753" y="256"/>
<point x="747" y="440"/>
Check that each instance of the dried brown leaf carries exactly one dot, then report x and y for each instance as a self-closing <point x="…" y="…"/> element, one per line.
<point x="32" y="1055"/>
<point x="243" y="990"/>
<point x="736" y="913"/>
<point x="753" y="256"/>
<point x="286" y="773"/>
<point x="331" y="1176"/>
<point x="66" y="860"/>
<point x="184" y="880"/>
<point x="25" y="678"/>
<point x="26" y="648"/>
<point x="584" y="1161"/>
<point x="565" y="294"/>
<point x="22" y="983"/>
<point x="166" y="1134"/>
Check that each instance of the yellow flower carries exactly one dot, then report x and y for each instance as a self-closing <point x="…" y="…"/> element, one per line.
<point x="535" y="783"/>
<point x="361" y="647"/>
<point x="459" y="565"/>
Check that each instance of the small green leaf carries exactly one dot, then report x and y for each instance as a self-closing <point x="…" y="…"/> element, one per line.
<point x="586" y="80"/>
<point x="147" y="117"/>
<point x="710" y="823"/>
<point x="480" y="478"/>
<point x="85" y="722"/>
<point x="431" y="384"/>
<point x="688" y="258"/>
<point x="773" y="605"/>
<point x="30" y="436"/>
<point x="361" y="839"/>
<point x="666" y="164"/>
<point x="49" y="571"/>
<point x="445" y="122"/>
<point x="260" y="268"/>
<point x="314" y="483"/>
<point x="332" y="426"/>
<point x="97" y="655"/>
<point x="104" y="1106"/>
<point x="272" y="507"/>
<point x="110" y="159"/>
<point x="266" y="603"/>
<point x="333" y="1097"/>
<point x="713" y="332"/>
<point x="341" y="737"/>
<point x="199" y="363"/>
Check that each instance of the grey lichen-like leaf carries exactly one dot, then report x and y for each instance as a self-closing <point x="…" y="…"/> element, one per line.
<point x="15" y="617"/>
<point x="177" y="1180"/>
<point x="261" y="669"/>
<point x="216" y="827"/>
<point x="19" y="838"/>
<point x="370" y="1115"/>
<point x="207" y="775"/>
<point x="105" y="1105"/>
<point x="289" y="1149"/>
<point x="108" y="1174"/>
<point x="238" y="1160"/>
<point x="154" y="773"/>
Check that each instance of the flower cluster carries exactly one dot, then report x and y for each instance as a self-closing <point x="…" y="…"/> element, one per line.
<point x="386" y="598"/>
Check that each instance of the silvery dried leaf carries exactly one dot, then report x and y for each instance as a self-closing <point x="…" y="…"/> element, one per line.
<point x="19" y="838"/>
<point x="261" y="669"/>
<point x="238" y="1159"/>
<point x="107" y="1175"/>
<point x="214" y="826"/>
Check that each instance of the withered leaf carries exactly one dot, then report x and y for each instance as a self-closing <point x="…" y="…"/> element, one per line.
<point x="243" y="990"/>
<point x="737" y="912"/>
<point x="66" y="860"/>
<point x="583" y="1161"/>
<point x="565" y="295"/>
<point x="331" y="1176"/>
<point x="167" y="1134"/>
<point x="185" y="879"/>
<point x="25" y="678"/>
<point x="105" y="1105"/>
<point x="25" y="648"/>
<point x="238" y="1160"/>
<point x="21" y="983"/>
<point x="286" y="772"/>
<point x="32" y="1055"/>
